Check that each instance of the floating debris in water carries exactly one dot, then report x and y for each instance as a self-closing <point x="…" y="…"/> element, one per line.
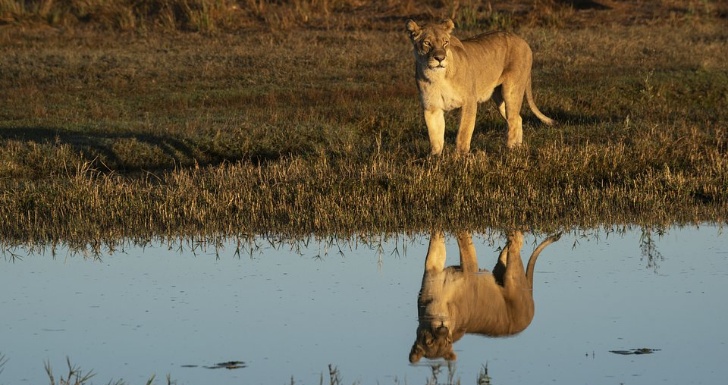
<point x="220" y="365"/>
<point x="635" y="351"/>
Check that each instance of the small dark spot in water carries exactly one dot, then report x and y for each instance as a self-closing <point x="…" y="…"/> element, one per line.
<point x="635" y="351"/>
<point x="220" y="365"/>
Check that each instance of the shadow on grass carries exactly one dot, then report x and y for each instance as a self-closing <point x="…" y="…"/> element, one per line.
<point x="584" y="5"/>
<point x="95" y="145"/>
<point x="568" y="118"/>
<point x="495" y="125"/>
<point x="136" y="151"/>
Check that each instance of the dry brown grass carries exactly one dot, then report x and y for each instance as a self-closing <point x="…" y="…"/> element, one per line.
<point x="316" y="131"/>
<point x="214" y="16"/>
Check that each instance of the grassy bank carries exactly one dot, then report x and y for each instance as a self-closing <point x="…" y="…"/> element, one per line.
<point x="254" y="129"/>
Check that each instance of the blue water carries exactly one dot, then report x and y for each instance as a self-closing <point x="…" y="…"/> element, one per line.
<point x="290" y="311"/>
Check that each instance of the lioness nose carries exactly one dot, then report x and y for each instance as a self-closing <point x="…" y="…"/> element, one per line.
<point x="439" y="56"/>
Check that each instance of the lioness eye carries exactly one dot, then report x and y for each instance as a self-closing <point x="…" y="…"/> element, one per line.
<point x="426" y="43"/>
<point x="446" y="43"/>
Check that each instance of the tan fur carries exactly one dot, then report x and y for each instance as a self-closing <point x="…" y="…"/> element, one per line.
<point x="454" y="74"/>
<point x="462" y="299"/>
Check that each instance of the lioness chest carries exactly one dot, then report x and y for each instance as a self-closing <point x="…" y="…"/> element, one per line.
<point x="439" y="93"/>
<point x="453" y="287"/>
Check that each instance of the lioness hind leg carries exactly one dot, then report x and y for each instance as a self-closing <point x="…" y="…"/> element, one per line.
<point x="500" y="266"/>
<point x="499" y="102"/>
<point x="515" y="132"/>
<point x="468" y="257"/>
<point x="517" y="291"/>
<point x="513" y="99"/>
<point x="515" y="274"/>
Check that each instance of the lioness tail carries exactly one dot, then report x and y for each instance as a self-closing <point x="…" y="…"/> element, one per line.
<point x="529" y="97"/>
<point x="534" y="256"/>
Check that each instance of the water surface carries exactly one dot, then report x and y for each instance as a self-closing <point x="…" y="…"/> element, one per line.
<point x="289" y="312"/>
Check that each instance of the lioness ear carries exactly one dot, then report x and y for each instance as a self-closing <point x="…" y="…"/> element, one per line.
<point x="448" y="24"/>
<point x="413" y="29"/>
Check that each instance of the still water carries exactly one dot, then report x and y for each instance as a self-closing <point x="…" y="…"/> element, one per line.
<point x="288" y="312"/>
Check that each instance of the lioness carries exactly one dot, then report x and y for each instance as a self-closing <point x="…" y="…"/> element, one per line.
<point x="462" y="299"/>
<point x="460" y="74"/>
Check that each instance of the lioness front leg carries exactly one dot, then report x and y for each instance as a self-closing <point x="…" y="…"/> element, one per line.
<point x="435" y="121"/>
<point x="467" y="125"/>
<point x="435" y="261"/>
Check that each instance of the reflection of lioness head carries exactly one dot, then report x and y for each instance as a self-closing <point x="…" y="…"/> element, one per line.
<point x="463" y="299"/>
<point x="460" y="74"/>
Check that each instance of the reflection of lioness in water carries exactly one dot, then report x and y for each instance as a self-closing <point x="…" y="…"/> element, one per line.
<point x="462" y="299"/>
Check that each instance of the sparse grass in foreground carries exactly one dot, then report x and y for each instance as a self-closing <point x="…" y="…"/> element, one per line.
<point x="76" y="376"/>
<point x="319" y="132"/>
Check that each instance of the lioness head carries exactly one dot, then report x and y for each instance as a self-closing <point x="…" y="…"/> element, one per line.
<point x="432" y="342"/>
<point x="431" y="42"/>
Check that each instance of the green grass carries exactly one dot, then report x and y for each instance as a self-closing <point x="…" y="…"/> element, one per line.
<point x="164" y="132"/>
